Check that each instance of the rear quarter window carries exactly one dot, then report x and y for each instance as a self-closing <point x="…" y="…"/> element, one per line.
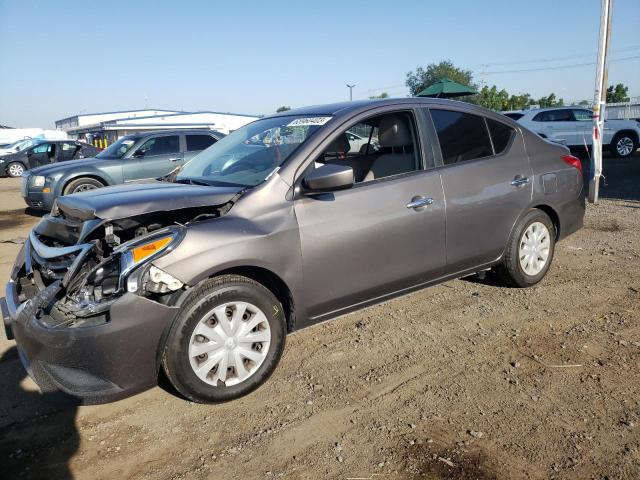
<point x="501" y="135"/>
<point x="199" y="142"/>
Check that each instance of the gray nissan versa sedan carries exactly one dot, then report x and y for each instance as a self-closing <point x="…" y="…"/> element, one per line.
<point x="276" y="227"/>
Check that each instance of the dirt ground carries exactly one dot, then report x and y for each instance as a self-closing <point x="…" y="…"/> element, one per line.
<point x="462" y="380"/>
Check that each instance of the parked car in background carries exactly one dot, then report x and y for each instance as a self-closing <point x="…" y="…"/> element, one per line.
<point x="19" y="145"/>
<point x="135" y="157"/>
<point x="277" y="227"/>
<point x="572" y="126"/>
<point x="515" y="115"/>
<point x="44" y="153"/>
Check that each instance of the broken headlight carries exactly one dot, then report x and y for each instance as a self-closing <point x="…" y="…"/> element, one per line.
<point x="142" y="251"/>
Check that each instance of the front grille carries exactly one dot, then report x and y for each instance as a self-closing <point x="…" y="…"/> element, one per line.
<point x="35" y="203"/>
<point x="53" y="262"/>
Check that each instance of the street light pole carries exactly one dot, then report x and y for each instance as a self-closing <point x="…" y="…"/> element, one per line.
<point x="599" y="100"/>
<point x="350" y="92"/>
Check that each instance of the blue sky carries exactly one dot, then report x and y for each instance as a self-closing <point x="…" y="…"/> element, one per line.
<point x="64" y="57"/>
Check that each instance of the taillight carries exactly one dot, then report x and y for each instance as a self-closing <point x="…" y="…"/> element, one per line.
<point x="573" y="161"/>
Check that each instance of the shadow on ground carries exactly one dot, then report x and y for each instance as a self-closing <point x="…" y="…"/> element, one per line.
<point x="621" y="177"/>
<point x="39" y="434"/>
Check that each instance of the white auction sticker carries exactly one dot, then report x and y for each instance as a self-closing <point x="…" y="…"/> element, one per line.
<point x="305" y="121"/>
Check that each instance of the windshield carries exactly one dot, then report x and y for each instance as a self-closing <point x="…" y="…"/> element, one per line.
<point x="20" y="144"/>
<point x="247" y="156"/>
<point x="118" y="149"/>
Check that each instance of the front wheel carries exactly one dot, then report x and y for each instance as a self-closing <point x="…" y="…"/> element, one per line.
<point x="82" y="185"/>
<point x="529" y="252"/>
<point x="623" y="145"/>
<point x="226" y="341"/>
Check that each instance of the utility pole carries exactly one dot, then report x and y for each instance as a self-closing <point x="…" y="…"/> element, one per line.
<point x="599" y="100"/>
<point x="350" y="92"/>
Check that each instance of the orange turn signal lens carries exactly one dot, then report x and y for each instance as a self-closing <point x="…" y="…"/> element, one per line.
<point x="143" y="251"/>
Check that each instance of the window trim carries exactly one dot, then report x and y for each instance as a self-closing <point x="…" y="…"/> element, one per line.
<point x="436" y="141"/>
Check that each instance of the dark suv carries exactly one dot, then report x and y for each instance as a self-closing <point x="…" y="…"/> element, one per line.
<point x="44" y="153"/>
<point x="140" y="156"/>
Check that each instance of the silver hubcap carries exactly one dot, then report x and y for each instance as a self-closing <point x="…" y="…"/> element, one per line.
<point x="534" y="248"/>
<point x="229" y="344"/>
<point x="16" y="170"/>
<point x="84" y="187"/>
<point x="624" y="146"/>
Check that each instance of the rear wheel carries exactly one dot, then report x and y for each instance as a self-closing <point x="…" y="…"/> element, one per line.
<point x="82" y="185"/>
<point x="529" y="252"/>
<point x="226" y="341"/>
<point x="623" y="145"/>
<point x="15" y="169"/>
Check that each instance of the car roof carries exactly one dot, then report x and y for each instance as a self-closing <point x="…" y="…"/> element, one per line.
<point x="345" y="108"/>
<point x="150" y="133"/>
<point x="547" y="109"/>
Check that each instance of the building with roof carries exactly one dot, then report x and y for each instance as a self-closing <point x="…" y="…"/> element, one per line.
<point x="106" y="128"/>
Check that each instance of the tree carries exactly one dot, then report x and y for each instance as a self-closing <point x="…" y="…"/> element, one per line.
<point x="617" y="94"/>
<point x="584" y="103"/>
<point x="549" y="101"/>
<point x="491" y="98"/>
<point x="423" y="77"/>
<point x="382" y="95"/>
<point x="283" y="109"/>
<point x="519" y="102"/>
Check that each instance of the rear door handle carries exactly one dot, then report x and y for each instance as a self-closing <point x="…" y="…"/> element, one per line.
<point x="419" y="202"/>
<point x="520" y="181"/>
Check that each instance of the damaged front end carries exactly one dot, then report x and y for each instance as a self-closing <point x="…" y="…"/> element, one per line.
<point x="93" y="263"/>
<point x="86" y="305"/>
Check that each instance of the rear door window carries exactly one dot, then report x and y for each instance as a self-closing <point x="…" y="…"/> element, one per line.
<point x="462" y="136"/>
<point x="561" y="115"/>
<point x="199" y="142"/>
<point x="500" y="135"/>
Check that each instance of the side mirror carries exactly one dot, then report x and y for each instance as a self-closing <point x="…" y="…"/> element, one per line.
<point x="328" y="178"/>
<point x="138" y="154"/>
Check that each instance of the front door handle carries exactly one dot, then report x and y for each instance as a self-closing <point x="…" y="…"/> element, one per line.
<point x="419" y="202"/>
<point x="177" y="159"/>
<point x="520" y="181"/>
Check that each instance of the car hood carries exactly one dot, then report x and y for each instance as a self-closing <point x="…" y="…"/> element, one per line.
<point x="57" y="167"/>
<point x="122" y="201"/>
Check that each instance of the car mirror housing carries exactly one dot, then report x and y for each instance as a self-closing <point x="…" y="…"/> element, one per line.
<point x="329" y="177"/>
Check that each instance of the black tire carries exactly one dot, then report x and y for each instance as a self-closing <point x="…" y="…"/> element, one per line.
<point x="628" y="139"/>
<point x="509" y="271"/>
<point x="82" y="184"/>
<point x="15" y="166"/>
<point x="202" y="300"/>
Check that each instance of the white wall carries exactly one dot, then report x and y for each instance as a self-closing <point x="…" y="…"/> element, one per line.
<point x="223" y="122"/>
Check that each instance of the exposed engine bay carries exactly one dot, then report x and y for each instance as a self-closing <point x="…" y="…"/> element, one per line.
<point x="86" y="263"/>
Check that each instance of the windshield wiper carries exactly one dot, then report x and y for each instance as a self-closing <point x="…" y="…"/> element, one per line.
<point x="192" y="181"/>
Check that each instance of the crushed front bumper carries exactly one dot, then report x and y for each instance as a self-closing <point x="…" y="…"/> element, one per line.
<point x="93" y="364"/>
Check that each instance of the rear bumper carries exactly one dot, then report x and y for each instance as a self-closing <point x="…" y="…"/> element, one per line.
<point x="571" y="215"/>
<point x="95" y="364"/>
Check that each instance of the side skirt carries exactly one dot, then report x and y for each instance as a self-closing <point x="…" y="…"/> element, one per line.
<point x="392" y="295"/>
